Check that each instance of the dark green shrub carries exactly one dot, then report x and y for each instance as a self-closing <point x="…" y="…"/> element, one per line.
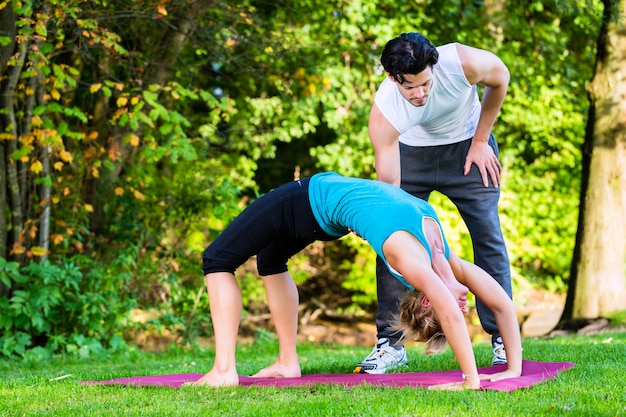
<point x="75" y="306"/>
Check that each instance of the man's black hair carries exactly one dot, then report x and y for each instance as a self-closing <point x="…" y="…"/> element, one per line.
<point x="409" y="53"/>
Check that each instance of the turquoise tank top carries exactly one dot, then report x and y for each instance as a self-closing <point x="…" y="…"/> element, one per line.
<point x="372" y="209"/>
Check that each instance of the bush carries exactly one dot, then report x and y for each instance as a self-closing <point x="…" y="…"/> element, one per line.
<point x="75" y="306"/>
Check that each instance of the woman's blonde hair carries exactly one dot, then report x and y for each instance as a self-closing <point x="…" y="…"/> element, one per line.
<point x="418" y="323"/>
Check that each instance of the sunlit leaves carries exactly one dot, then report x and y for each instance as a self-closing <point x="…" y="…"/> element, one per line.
<point x="133" y="140"/>
<point x="161" y="10"/>
<point x="39" y="251"/>
<point x="66" y="156"/>
<point x="36" y="167"/>
<point x="138" y="194"/>
<point x="285" y="84"/>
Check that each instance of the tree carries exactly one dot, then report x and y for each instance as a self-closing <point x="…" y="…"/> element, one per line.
<point x="597" y="285"/>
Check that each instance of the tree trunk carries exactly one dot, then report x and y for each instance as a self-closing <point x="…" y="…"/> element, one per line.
<point x="10" y="125"/>
<point x="7" y="28"/>
<point x="44" y="188"/>
<point x="598" y="276"/>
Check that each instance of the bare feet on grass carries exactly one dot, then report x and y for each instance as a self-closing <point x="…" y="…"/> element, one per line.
<point x="279" y="370"/>
<point x="218" y="379"/>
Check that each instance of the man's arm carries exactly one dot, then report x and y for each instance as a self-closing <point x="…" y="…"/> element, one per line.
<point x="384" y="138"/>
<point x="486" y="69"/>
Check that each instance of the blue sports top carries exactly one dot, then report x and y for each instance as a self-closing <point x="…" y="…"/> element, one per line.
<point x="372" y="209"/>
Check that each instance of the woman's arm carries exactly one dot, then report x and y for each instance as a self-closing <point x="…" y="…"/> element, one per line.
<point x="406" y="255"/>
<point x="487" y="290"/>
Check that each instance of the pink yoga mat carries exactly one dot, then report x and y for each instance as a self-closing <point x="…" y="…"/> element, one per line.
<point x="532" y="373"/>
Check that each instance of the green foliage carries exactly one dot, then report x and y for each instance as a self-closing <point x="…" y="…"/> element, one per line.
<point x="155" y="146"/>
<point x="619" y="319"/>
<point x="360" y="280"/>
<point x="541" y="132"/>
<point x="75" y="306"/>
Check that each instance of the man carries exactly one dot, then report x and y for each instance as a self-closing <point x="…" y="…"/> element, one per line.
<point x="431" y="132"/>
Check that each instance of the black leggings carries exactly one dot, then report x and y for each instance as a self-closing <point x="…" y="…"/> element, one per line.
<point x="274" y="227"/>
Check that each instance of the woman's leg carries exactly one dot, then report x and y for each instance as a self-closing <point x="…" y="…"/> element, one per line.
<point x="283" y="300"/>
<point x="226" y="308"/>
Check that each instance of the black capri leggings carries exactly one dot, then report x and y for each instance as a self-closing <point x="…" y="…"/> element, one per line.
<point x="274" y="227"/>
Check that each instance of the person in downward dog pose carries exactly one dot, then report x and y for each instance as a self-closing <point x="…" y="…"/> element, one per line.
<point x="403" y="230"/>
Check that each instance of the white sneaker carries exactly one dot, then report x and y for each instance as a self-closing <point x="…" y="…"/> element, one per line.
<point x="499" y="355"/>
<point x="383" y="358"/>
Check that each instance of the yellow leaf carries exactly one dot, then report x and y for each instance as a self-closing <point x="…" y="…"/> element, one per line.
<point x="36" y="121"/>
<point x="39" y="251"/>
<point x="161" y="9"/>
<point x="134" y="140"/>
<point x="121" y="102"/>
<point x="88" y="208"/>
<point x="56" y="199"/>
<point x="58" y="165"/>
<point x="29" y="91"/>
<point x="30" y="138"/>
<point x="268" y="50"/>
<point x="119" y="191"/>
<point x="17" y="249"/>
<point x="95" y="172"/>
<point x="55" y="94"/>
<point x="66" y="191"/>
<point x="57" y="238"/>
<point x="95" y="87"/>
<point x="36" y="167"/>
<point x="138" y="195"/>
<point x="119" y="113"/>
<point x="134" y="100"/>
<point x="7" y="136"/>
<point x="66" y="156"/>
<point x="93" y="135"/>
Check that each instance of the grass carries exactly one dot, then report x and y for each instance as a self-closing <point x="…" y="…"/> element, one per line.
<point x="595" y="387"/>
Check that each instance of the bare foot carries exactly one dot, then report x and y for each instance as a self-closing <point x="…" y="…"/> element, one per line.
<point x="217" y="379"/>
<point x="278" y="370"/>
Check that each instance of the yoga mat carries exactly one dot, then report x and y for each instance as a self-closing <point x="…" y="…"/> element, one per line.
<point x="532" y="373"/>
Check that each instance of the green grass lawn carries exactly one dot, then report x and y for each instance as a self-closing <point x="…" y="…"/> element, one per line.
<point x="595" y="387"/>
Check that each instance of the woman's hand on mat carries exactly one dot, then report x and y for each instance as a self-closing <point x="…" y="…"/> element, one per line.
<point x="499" y="376"/>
